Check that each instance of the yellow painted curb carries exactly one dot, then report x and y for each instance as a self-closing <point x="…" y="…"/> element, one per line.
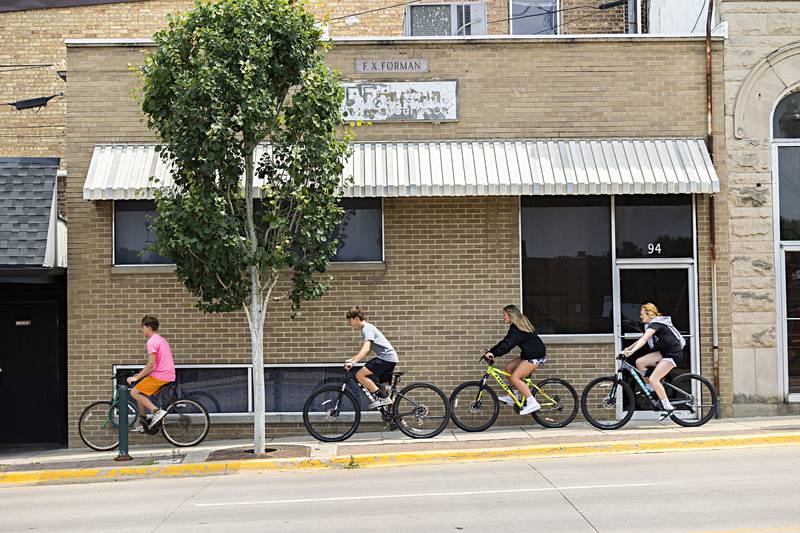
<point x="565" y="450"/>
<point x="399" y="458"/>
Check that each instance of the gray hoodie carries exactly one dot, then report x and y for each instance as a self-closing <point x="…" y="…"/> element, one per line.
<point x="667" y="321"/>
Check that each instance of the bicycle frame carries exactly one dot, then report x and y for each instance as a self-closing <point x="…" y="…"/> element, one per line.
<point x="498" y="375"/>
<point x="637" y="377"/>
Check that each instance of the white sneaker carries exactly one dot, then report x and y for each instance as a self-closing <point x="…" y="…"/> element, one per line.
<point x="157" y="416"/>
<point x="508" y="400"/>
<point x="380" y="402"/>
<point x="138" y="428"/>
<point x="530" y="406"/>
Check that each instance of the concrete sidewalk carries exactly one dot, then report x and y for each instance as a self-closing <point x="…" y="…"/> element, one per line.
<point x="382" y="449"/>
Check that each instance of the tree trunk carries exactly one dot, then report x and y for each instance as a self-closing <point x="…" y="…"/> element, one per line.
<point x="257" y="312"/>
<point x="255" y="316"/>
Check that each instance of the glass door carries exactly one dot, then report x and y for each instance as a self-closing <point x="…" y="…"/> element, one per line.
<point x="791" y="318"/>
<point x="671" y="287"/>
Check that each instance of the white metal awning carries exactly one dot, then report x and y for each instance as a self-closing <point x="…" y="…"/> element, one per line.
<point x="463" y="168"/>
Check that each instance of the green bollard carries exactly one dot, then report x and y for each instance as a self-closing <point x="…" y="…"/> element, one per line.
<point x="122" y="409"/>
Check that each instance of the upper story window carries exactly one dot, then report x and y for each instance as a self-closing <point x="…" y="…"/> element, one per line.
<point x="361" y="232"/>
<point x="534" y="17"/>
<point x="133" y="234"/>
<point x="786" y="120"/>
<point x="463" y="18"/>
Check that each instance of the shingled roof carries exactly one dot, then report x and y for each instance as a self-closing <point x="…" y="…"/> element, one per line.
<point x="27" y="188"/>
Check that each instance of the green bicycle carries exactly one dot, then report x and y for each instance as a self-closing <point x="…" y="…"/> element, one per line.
<point x="475" y="406"/>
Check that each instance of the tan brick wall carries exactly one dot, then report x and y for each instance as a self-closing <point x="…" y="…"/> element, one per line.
<point x="451" y="263"/>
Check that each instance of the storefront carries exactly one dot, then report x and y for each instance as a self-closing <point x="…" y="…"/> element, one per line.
<point x="576" y="193"/>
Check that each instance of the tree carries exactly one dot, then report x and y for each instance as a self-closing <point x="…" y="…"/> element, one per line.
<point x="225" y="77"/>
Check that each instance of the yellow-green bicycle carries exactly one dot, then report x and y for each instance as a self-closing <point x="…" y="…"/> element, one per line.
<point x="475" y="406"/>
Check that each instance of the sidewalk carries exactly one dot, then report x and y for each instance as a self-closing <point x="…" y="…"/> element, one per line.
<point x="385" y="449"/>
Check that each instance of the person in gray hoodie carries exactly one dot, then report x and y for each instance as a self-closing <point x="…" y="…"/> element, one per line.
<point x="666" y="344"/>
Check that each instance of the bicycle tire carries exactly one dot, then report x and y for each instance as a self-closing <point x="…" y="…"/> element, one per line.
<point x="414" y="407"/>
<point x="628" y="402"/>
<point x="707" y="391"/>
<point x="559" y="390"/>
<point x="181" y="419"/>
<point x="311" y="412"/>
<point x="99" y="422"/>
<point x="472" y="405"/>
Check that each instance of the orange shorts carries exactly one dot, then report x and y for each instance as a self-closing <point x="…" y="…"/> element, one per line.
<point x="150" y="385"/>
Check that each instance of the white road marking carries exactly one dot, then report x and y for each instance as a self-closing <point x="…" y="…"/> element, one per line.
<point x="430" y="494"/>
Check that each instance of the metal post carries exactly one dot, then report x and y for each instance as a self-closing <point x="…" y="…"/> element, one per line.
<point x="122" y="414"/>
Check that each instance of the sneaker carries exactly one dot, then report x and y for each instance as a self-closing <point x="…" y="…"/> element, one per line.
<point x="666" y="413"/>
<point x="157" y="416"/>
<point x="508" y="400"/>
<point x="138" y="428"/>
<point x="379" y="402"/>
<point x="530" y="406"/>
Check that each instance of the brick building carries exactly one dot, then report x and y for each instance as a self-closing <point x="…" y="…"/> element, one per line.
<point x="565" y="174"/>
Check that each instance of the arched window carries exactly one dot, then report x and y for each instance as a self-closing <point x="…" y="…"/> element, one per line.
<point x="786" y="120"/>
<point x="786" y="156"/>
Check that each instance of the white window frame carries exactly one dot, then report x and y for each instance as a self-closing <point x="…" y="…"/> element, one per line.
<point x="558" y="19"/>
<point x="453" y="17"/>
<point x="780" y="248"/>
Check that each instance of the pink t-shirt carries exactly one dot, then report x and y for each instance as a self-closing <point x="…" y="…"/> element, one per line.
<point x="164" y="368"/>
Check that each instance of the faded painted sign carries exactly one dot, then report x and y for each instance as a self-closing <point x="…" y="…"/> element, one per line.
<point x="392" y="65"/>
<point x="393" y="101"/>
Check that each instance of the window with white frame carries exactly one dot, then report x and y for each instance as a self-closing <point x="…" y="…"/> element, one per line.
<point x="134" y="234"/>
<point x="462" y="18"/>
<point x="533" y="17"/>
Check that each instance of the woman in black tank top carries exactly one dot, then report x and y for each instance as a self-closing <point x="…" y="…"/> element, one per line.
<point x="666" y="344"/>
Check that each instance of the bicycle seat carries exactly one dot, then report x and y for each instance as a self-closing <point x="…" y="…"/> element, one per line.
<point x="398" y="374"/>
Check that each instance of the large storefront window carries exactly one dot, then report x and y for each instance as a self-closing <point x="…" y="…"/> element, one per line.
<point x="789" y="192"/>
<point x="133" y="233"/>
<point x="566" y="264"/>
<point x="654" y="226"/>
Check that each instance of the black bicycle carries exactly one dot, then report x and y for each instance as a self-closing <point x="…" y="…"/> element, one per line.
<point x="186" y="423"/>
<point x="333" y="413"/>
<point x="609" y="402"/>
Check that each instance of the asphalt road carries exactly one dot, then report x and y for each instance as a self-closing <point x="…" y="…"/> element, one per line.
<point x="731" y="490"/>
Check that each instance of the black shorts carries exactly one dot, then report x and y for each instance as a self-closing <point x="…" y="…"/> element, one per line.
<point x="381" y="370"/>
<point x="677" y="357"/>
<point x="537" y="360"/>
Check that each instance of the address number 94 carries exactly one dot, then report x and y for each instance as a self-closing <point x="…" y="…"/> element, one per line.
<point x="653" y="248"/>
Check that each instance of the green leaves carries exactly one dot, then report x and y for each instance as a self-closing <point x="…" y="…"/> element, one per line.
<point x="223" y="78"/>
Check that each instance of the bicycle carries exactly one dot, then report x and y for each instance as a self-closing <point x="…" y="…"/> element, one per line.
<point x="475" y="406"/>
<point x="186" y="423"/>
<point x="692" y="395"/>
<point x="419" y="410"/>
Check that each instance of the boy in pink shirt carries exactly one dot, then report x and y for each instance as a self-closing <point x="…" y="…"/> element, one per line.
<point x="159" y="370"/>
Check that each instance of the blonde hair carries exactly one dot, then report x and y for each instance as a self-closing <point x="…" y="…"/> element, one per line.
<point x="518" y="319"/>
<point x="651" y="310"/>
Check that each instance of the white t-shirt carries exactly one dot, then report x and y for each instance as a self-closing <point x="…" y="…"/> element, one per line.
<point x="382" y="347"/>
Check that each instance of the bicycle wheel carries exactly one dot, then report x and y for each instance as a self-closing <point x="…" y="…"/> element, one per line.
<point x="421" y="410"/>
<point x="599" y="403"/>
<point x="186" y="423"/>
<point x="559" y="403"/>
<point x="331" y="414"/>
<point x="694" y="399"/>
<point x="98" y="425"/>
<point x="474" y="408"/>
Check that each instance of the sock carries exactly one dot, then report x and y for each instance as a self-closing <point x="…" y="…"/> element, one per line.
<point x="530" y="399"/>
<point x="666" y="404"/>
<point x="650" y="387"/>
<point x="381" y="392"/>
